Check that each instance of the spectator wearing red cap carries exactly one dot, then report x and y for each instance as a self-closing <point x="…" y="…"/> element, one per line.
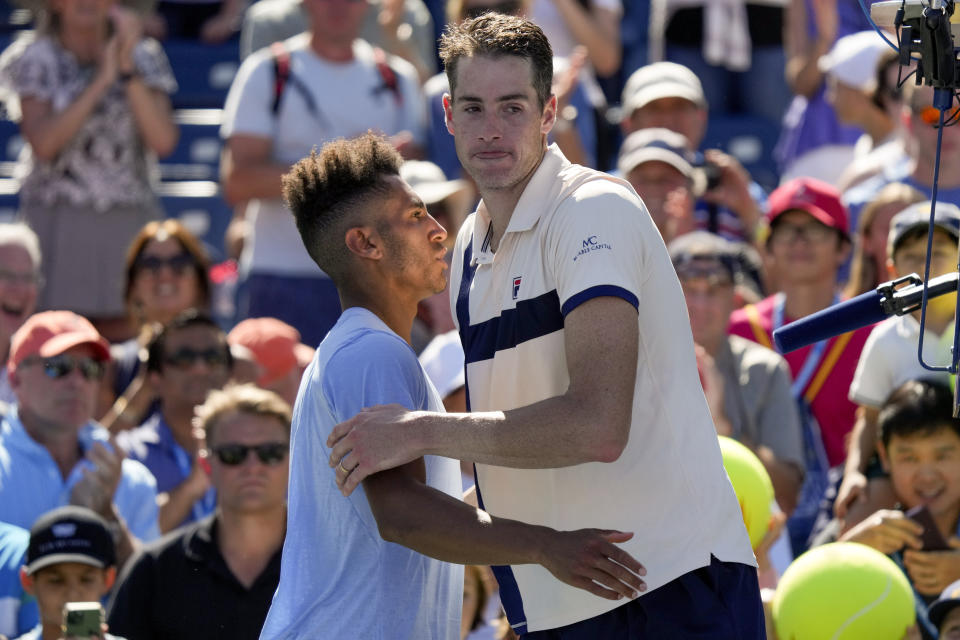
<point x="51" y="451"/>
<point x="808" y="242"/>
<point x="276" y="347"/>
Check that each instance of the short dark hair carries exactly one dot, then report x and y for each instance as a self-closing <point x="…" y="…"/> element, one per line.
<point x="188" y="318"/>
<point x="917" y="407"/>
<point x="245" y="398"/>
<point x="325" y="191"/>
<point x="496" y="35"/>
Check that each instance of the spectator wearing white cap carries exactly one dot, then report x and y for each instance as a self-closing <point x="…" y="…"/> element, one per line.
<point x="884" y="141"/>
<point x="850" y="75"/>
<point x="656" y="162"/>
<point x="670" y="96"/>
<point x="810" y="124"/>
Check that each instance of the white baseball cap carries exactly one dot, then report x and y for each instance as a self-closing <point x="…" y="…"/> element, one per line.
<point x="853" y="59"/>
<point x="661" y="80"/>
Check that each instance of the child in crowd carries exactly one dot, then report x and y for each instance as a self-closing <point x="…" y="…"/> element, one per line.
<point x="71" y="558"/>
<point x="945" y="612"/>
<point x="920" y="449"/>
<point x="889" y="357"/>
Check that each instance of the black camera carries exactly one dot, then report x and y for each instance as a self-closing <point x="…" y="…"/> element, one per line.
<point x="706" y="176"/>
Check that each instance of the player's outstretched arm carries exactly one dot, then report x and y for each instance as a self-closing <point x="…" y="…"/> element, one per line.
<point x="588" y="423"/>
<point x="437" y="525"/>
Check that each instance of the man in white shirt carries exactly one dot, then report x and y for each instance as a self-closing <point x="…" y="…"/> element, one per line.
<point x="317" y="86"/>
<point x="592" y="406"/>
<point x="341" y="575"/>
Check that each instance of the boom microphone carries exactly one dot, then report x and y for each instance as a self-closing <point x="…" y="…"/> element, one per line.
<point x="898" y="297"/>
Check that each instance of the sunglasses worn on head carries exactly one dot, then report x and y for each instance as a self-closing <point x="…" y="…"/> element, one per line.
<point x="187" y="357"/>
<point x="270" y="453"/>
<point x="931" y="115"/>
<point x="179" y="263"/>
<point x="57" y="367"/>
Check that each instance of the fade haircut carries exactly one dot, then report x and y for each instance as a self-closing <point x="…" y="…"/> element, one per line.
<point x="497" y="35"/>
<point x="327" y="190"/>
<point x="917" y="407"/>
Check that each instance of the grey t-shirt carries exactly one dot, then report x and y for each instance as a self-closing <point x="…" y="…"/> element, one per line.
<point x="758" y="399"/>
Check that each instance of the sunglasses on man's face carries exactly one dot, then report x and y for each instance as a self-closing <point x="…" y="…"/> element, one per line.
<point x="183" y="358"/>
<point x="57" y="367"/>
<point x="269" y="453"/>
<point x="179" y="263"/>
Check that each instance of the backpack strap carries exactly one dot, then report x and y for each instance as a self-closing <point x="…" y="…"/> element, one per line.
<point x="281" y="73"/>
<point x="826" y="366"/>
<point x="387" y="74"/>
<point x="759" y="333"/>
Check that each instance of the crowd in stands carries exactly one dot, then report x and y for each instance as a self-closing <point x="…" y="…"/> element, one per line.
<point x="151" y="357"/>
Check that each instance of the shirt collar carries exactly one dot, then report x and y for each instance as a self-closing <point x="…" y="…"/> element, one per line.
<point x="541" y="189"/>
<point x="363" y="318"/>
<point x="200" y="545"/>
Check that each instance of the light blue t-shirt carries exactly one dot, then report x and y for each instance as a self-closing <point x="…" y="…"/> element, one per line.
<point x="339" y="578"/>
<point x="18" y="611"/>
<point x="31" y="483"/>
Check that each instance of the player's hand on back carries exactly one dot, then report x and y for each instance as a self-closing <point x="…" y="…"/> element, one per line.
<point x="371" y="441"/>
<point x="589" y="559"/>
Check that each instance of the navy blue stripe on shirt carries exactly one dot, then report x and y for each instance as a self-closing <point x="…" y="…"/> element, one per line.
<point x="510" y="596"/>
<point x="598" y="291"/>
<point x="530" y="319"/>
<point x="463" y="296"/>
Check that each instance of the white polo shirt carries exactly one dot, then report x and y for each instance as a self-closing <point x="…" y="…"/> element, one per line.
<point x="889" y="359"/>
<point x="574" y="235"/>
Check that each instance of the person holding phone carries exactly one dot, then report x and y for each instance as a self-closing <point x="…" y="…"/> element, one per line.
<point x="92" y="99"/>
<point x="71" y="558"/>
<point x="920" y="448"/>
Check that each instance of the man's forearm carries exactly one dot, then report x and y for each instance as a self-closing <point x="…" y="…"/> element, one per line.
<point x="556" y="432"/>
<point x="426" y="520"/>
<point x="453" y="531"/>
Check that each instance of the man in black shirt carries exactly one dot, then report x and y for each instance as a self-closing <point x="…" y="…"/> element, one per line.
<point x="216" y="578"/>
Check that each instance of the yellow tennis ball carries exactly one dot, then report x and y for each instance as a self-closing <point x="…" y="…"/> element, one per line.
<point x="843" y="591"/>
<point x="752" y="485"/>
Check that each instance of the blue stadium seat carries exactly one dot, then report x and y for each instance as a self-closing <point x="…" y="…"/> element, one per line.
<point x="9" y="199"/>
<point x="748" y="138"/>
<point x="10" y="144"/>
<point x="204" y="72"/>
<point x="197" y="156"/>
<point x="199" y="206"/>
